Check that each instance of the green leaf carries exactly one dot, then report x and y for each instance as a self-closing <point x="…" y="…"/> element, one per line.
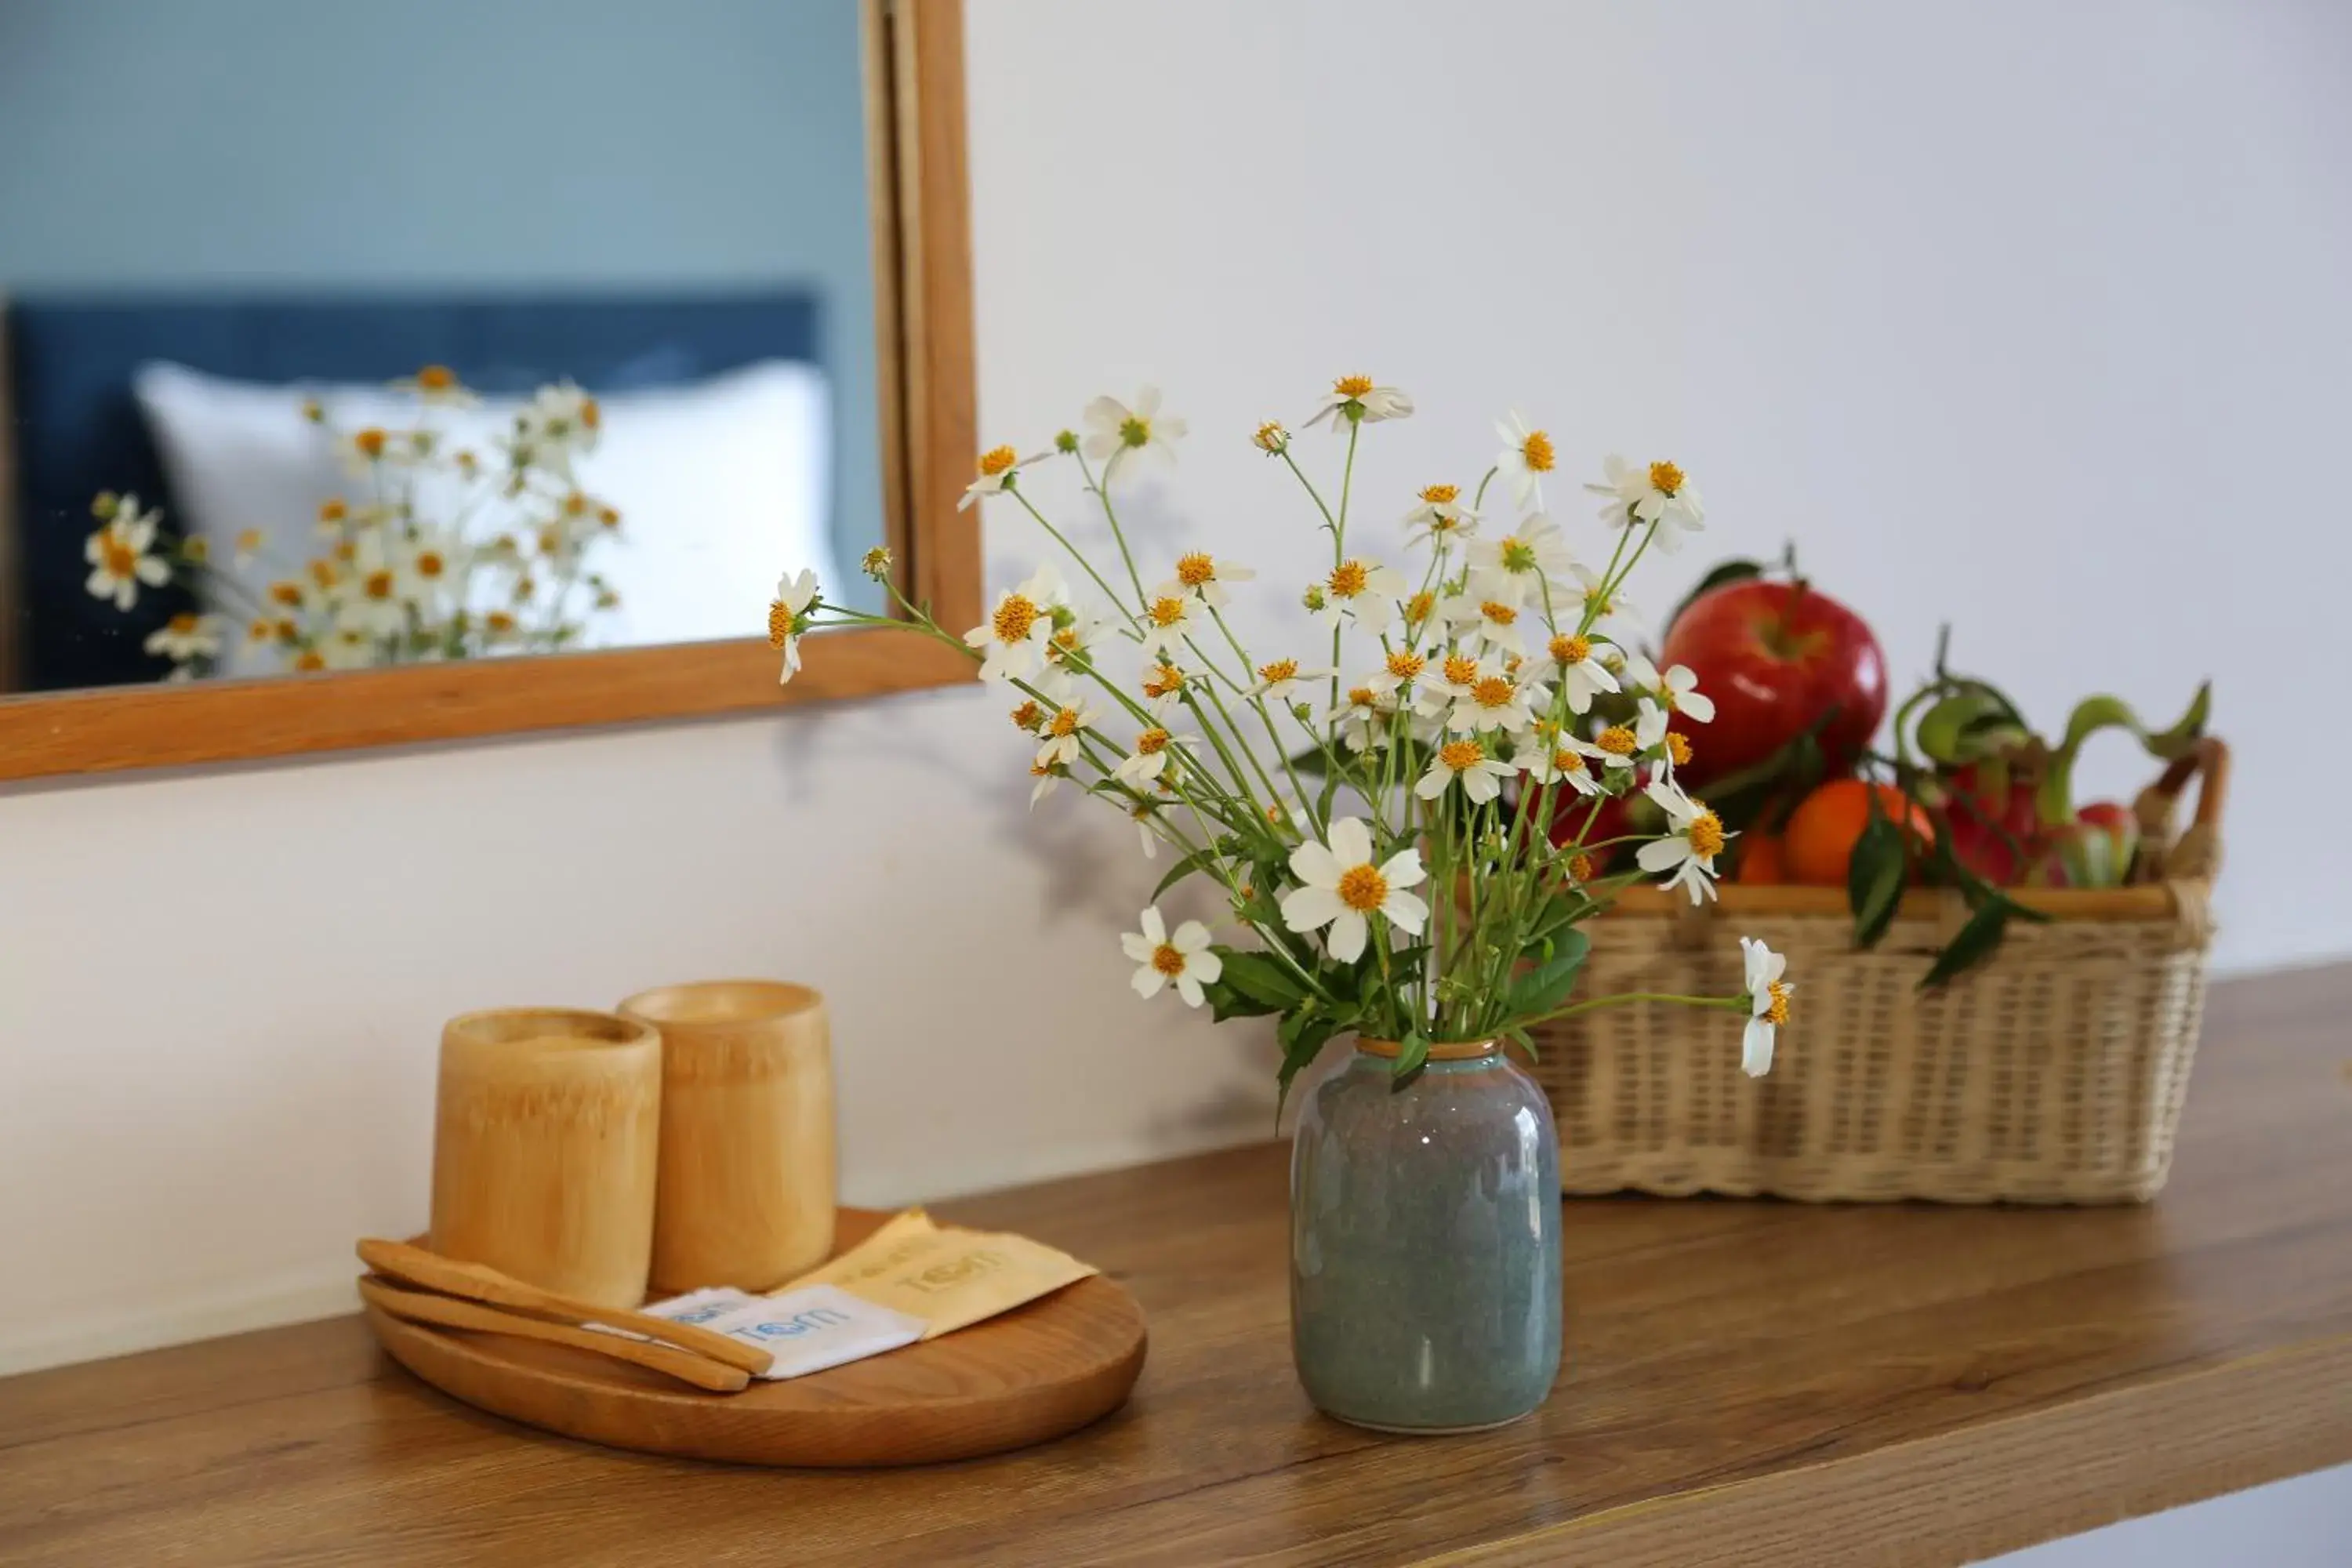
<point x="1411" y="1052"/>
<point x="1198" y="860"/>
<point x="1972" y="945"/>
<point x="1259" y="978"/>
<point x="1733" y="570"/>
<point x="1546" y="985"/>
<point x="1303" y="1035"/>
<point x="1874" y="876"/>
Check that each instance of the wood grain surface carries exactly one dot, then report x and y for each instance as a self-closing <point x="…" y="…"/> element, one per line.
<point x="1750" y="1384"/>
<point x="1039" y="1371"/>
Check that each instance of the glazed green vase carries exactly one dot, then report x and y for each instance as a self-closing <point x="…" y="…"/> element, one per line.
<point x="1424" y="1242"/>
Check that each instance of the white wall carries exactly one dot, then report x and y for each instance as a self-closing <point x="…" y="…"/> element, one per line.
<point x="2027" y="317"/>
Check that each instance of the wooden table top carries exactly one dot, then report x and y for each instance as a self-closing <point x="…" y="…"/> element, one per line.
<point x="1749" y="1382"/>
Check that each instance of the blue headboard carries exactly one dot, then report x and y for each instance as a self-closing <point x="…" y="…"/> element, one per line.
<point x="71" y="363"/>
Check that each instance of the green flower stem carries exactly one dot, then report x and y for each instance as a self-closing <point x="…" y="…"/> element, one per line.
<point x="1060" y="539"/>
<point x="1479" y="498"/>
<point x="1102" y="494"/>
<point x="1329" y="521"/>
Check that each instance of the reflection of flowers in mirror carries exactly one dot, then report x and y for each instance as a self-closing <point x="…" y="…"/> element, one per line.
<point x="440" y="552"/>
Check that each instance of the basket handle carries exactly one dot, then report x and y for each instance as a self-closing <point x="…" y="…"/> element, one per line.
<point x="2196" y="856"/>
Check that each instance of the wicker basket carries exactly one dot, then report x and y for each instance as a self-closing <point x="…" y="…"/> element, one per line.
<point x="2053" y="1073"/>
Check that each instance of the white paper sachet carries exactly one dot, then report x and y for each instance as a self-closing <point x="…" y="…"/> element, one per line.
<point x="816" y="1327"/>
<point x="698" y="1307"/>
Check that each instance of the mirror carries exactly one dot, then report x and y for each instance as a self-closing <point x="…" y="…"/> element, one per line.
<point x="332" y="345"/>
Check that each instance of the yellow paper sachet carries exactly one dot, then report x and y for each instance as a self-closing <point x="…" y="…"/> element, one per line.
<point x="950" y="1278"/>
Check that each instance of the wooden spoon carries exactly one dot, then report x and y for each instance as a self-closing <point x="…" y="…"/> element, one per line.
<point x="479" y="1282"/>
<point x="449" y="1312"/>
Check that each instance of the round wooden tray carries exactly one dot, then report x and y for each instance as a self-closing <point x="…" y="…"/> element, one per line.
<point x="1030" y="1374"/>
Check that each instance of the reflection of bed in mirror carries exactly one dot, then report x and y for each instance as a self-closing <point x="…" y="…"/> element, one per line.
<point x="714" y="445"/>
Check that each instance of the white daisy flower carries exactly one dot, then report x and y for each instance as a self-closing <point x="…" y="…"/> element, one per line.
<point x="1147" y="827"/>
<point x="560" y="423"/>
<point x="1448" y="681"/>
<point x="1062" y="734"/>
<point x="1202" y="574"/>
<point x="117" y="553"/>
<point x="1516" y="563"/>
<point x="1169" y="616"/>
<point x="1615" y="615"/>
<point x="1441" y="515"/>
<point x="1144" y="764"/>
<point x="1017" y="631"/>
<point x="345" y="647"/>
<point x="1488" y="622"/>
<point x="1071" y="644"/>
<point x="1354" y="398"/>
<point x="1466" y="759"/>
<point x="377" y="604"/>
<point x="1363" y="717"/>
<point x="1581" y="673"/>
<point x="429" y="563"/>
<point x="1497" y="699"/>
<point x="1284" y="682"/>
<point x="1049" y="777"/>
<point x="1660" y="493"/>
<point x="1400" y="674"/>
<point x="1364" y="591"/>
<point x="999" y="467"/>
<point x="1649" y="725"/>
<point x="1687" y="852"/>
<point x="1163" y="688"/>
<point x="1115" y="429"/>
<point x="1676" y="687"/>
<point x="438" y="385"/>
<point x="1768" y="1002"/>
<point x="1561" y="759"/>
<point x="1343" y="889"/>
<point x="1619" y="746"/>
<point x="1525" y="458"/>
<point x="1183" y="959"/>
<point x="788" y="619"/>
<point x="184" y="637"/>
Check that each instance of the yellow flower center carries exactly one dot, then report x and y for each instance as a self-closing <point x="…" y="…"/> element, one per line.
<point x="1501" y="614"/>
<point x="1570" y="649"/>
<point x="323" y="573"/>
<point x="1777" y="1011"/>
<point x="1616" y="740"/>
<point x="370" y="441"/>
<point x="1536" y="451"/>
<point x="1705" y="834"/>
<point x="1025" y="717"/>
<point x="1461" y="669"/>
<point x="1678" y="747"/>
<point x="333" y="510"/>
<point x="1666" y="478"/>
<point x="1065" y="724"/>
<point x="436" y="378"/>
<point x="1280" y="670"/>
<point x="183" y="625"/>
<point x="1168" y="612"/>
<point x="249" y="539"/>
<point x="1363" y="888"/>
<point x="1044" y="770"/>
<point x="286" y="593"/>
<point x="1271" y="436"/>
<point x="1351" y="386"/>
<point x="1362" y="697"/>
<point x="1440" y="495"/>
<point x="309" y="658"/>
<point x="1349" y="579"/>
<point x="1168" y="960"/>
<point x="196" y="550"/>
<point x="1015" y="618"/>
<point x="1581" y="867"/>
<point x="1067" y="640"/>
<point x="1568" y="762"/>
<point x="1135" y="431"/>
<point x="260" y="630"/>
<point x="121" y="560"/>
<point x="1164" y="681"/>
<point x="1151" y="742"/>
<point x="1417" y="608"/>
<point x="996" y="459"/>
<point x="1493" y="691"/>
<point x="429" y="564"/>
<point x="1458" y="756"/>
<point x="499" y="621"/>
<point x="1406" y="665"/>
<point x="1196" y="569"/>
<point x="780" y="624"/>
<point x="1516" y="553"/>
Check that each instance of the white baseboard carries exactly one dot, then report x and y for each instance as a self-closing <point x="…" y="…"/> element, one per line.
<point x="301" y="1297"/>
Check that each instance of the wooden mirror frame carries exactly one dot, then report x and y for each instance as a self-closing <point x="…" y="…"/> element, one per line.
<point x="922" y="207"/>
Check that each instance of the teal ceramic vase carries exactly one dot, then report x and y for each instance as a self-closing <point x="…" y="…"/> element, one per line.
<point x="1424" y="1242"/>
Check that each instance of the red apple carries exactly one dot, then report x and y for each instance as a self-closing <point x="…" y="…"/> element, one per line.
<point x="1775" y="657"/>
<point x="1995" y="832"/>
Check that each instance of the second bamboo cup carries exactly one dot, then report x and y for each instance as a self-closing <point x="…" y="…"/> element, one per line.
<point x="543" y="1149"/>
<point x="748" y="1171"/>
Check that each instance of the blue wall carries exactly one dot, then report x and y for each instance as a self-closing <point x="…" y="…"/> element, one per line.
<point x="503" y="143"/>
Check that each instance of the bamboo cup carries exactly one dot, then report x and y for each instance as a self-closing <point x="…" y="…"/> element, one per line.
<point x="747" y="1134"/>
<point x="543" y="1149"/>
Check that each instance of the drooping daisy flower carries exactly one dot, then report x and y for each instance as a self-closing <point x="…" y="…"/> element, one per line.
<point x="1525" y="458"/>
<point x="1420" y="615"/>
<point x="1364" y="591"/>
<point x="184" y="637"/>
<point x="999" y="467"/>
<point x="1017" y="630"/>
<point x="1660" y="493"/>
<point x="1767" y="1003"/>
<point x="1284" y="682"/>
<point x="1363" y="717"/>
<point x="1687" y="852"/>
<point x="1488" y="622"/>
<point x="1169" y="618"/>
<point x="1049" y="777"/>
<point x="1464" y="758"/>
<point x="1147" y="827"/>
<point x="877" y="563"/>
<point x="1114" y="429"/>
<point x="1163" y="686"/>
<point x="1649" y="726"/>
<point x="1496" y="701"/>
<point x="1182" y="959"/>
<point x="1441" y="515"/>
<point x="1070" y="645"/>
<point x="1342" y="888"/>
<point x="788" y="619"/>
<point x="1676" y="687"/>
<point x="1062" y="732"/>
<point x="1562" y="758"/>
<point x="1515" y="565"/>
<point x="1354" y="398"/>
<point x="1149" y="759"/>
<point x="1581" y="673"/>
<point x="118" y="555"/>
<point x="1202" y="574"/>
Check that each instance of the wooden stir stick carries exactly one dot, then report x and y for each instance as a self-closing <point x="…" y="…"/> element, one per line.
<point x="449" y="1312"/>
<point x="479" y="1282"/>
